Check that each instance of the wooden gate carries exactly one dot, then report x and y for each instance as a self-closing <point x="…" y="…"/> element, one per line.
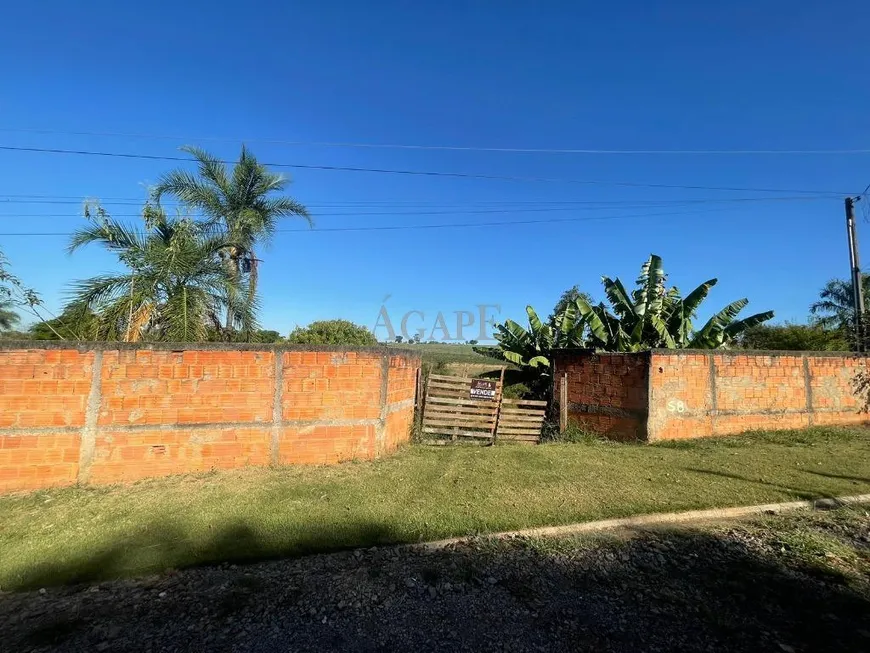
<point x="452" y="414"/>
<point x="521" y="420"/>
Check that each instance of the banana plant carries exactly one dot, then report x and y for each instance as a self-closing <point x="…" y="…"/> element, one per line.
<point x="651" y="316"/>
<point x="654" y="316"/>
<point x="520" y="346"/>
<point x="721" y="329"/>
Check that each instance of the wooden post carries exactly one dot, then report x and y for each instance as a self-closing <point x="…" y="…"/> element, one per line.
<point x="498" y="397"/>
<point x="563" y="404"/>
<point x="418" y="390"/>
<point x="855" y="265"/>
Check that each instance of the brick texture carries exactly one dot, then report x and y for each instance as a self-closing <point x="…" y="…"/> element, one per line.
<point x="689" y="394"/>
<point x="44" y="388"/>
<point x="31" y="461"/>
<point x="607" y="393"/>
<point x="401" y="392"/>
<point x="156" y="411"/>
<point x="192" y="387"/>
<point x="332" y="385"/>
<point x="319" y="445"/>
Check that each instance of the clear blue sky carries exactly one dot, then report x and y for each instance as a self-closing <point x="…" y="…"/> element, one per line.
<point x="686" y="76"/>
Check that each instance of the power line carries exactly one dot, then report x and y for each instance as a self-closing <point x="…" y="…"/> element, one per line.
<point x="348" y="213"/>
<point x="365" y="213"/>
<point x="439" y="226"/>
<point x="423" y="173"/>
<point x="73" y="200"/>
<point x="451" y="148"/>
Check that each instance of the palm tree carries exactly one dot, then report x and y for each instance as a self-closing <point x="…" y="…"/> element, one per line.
<point x="241" y="203"/>
<point x="8" y="317"/>
<point x="836" y="308"/>
<point x="175" y="285"/>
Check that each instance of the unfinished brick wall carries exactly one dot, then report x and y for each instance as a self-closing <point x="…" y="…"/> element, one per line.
<point x="110" y="413"/>
<point x="607" y="392"/>
<point x="698" y="394"/>
<point x="688" y="394"/>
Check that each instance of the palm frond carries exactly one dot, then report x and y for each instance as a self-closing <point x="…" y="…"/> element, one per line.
<point x="191" y="191"/>
<point x="114" y="236"/>
<point x="286" y="207"/>
<point x="210" y="167"/>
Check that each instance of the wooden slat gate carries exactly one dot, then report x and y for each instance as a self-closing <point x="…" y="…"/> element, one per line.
<point x="521" y="420"/>
<point x="450" y="414"/>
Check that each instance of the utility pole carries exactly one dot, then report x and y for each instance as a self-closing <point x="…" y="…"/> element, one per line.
<point x="855" y="264"/>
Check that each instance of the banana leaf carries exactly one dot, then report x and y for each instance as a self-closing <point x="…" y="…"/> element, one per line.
<point x="596" y="324"/>
<point x="619" y="299"/>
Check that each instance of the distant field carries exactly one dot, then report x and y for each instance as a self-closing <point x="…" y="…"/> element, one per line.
<point x="446" y="353"/>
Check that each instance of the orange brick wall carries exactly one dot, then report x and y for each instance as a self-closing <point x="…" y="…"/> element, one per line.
<point x="688" y="394"/>
<point x="698" y="394"/>
<point x="401" y="392"/>
<point x="112" y="413"/>
<point x="607" y="393"/>
<point x="43" y="400"/>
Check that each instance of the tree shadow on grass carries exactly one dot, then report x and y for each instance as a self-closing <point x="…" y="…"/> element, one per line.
<point x="169" y="546"/>
<point x="798" y="492"/>
<point x="674" y="590"/>
<point x="858" y="479"/>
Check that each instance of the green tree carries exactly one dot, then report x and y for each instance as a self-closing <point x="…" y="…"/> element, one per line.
<point x="835" y="308"/>
<point x="8" y="316"/>
<point x="243" y="204"/>
<point x="76" y="322"/>
<point x="794" y="337"/>
<point x="14" y="295"/>
<point x="566" y="299"/>
<point x="174" y="285"/>
<point x="268" y="336"/>
<point x="332" y="332"/>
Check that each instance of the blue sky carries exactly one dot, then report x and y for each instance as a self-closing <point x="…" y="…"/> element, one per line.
<point x="685" y="76"/>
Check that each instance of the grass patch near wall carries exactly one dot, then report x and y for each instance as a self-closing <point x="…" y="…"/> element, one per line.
<point x="443" y="352"/>
<point x="84" y="534"/>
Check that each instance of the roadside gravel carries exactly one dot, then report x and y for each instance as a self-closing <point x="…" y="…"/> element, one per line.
<point x="799" y="582"/>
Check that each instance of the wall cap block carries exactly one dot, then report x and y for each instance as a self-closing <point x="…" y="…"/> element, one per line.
<point x="84" y="347"/>
<point x="759" y="352"/>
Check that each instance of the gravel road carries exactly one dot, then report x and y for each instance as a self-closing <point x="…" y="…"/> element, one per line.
<point x="782" y="584"/>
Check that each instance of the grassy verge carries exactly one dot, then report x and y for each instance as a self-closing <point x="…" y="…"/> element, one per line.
<point x="78" y="534"/>
<point x="434" y="353"/>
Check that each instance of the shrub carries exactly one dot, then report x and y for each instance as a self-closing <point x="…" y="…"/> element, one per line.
<point x="576" y="433"/>
<point x="332" y="332"/>
<point x="516" y="391"/>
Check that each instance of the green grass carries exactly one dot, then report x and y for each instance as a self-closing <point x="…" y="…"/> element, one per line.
<point x="81" y="533"/>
